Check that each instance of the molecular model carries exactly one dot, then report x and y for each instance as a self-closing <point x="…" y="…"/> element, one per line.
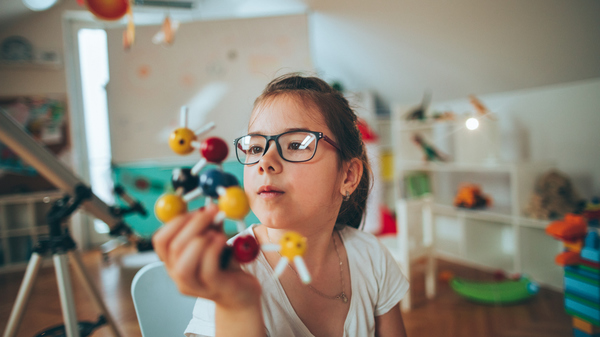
<point x="291" y="247"/>
<point x="213" y="184"/>
<point x="231" y="199"/>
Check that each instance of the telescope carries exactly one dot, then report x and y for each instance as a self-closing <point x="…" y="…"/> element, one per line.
<point x="60" y="244"/>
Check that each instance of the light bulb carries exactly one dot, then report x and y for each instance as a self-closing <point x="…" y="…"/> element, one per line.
<point x="472" y="123"/>
<point x="39" y="5"/>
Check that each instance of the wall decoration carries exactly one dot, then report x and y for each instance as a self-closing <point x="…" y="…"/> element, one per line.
<point x="44" y="117"/>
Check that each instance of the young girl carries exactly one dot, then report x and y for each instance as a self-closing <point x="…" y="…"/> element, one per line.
<point x="293" y="184"/>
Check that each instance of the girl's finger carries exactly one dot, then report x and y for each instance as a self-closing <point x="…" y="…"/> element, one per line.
<point x="162" y="237"/>
<point x="185" y="270"/>
<point x="197" y="225"/>
<point x="211" y="266"/>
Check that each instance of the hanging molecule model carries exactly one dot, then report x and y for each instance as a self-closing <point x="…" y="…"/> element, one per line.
<point x="231" y="199"/>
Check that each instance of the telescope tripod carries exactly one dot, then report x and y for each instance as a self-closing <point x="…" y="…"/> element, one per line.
<point x="63" y="248"/>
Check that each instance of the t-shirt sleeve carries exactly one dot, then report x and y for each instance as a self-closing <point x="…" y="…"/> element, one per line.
<point x="202" y="323"/>
<point x="393" y="285"/>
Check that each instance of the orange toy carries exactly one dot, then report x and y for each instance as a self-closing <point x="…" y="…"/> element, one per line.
<point x="571" y="228"/>
<point x="567" y="259"/>
<point x="470" y="196"/>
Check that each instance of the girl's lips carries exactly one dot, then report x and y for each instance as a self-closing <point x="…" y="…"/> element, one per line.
<point x="269" y="192"/>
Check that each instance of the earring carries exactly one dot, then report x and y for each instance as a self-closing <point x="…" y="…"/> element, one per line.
<point x="347" y="196"/>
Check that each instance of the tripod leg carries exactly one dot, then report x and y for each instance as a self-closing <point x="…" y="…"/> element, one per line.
<point x="16" y="314"/>
<point x="89" y="285"/>
<point x="61" y="264"/>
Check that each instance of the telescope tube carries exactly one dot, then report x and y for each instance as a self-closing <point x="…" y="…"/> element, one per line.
<point x="17" y="139"/>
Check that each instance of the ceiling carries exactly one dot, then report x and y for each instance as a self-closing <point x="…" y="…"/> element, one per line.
<point x="14" y="10"/>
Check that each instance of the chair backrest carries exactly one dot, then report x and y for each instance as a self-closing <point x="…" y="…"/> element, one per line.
<point x="161" y="309"/>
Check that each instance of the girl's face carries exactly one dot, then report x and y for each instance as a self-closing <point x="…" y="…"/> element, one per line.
<point x="299" y="196"/>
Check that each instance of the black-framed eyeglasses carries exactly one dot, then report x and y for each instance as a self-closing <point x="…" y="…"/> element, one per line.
<point x="293" y="146"/>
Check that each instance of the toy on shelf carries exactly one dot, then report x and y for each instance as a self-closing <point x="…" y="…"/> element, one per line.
<point x="470" y="196"/>
<point x="419" y="112"/>
<point x="581" y="262"/>
<point x="431" y="153"/>
<point x="417" y="185"/>
<point x="480" y="109"/>
<point x="554" y="196"/>
<point x="443" y="116"/>
<point x="592" y="212"/>
<point x="572" y="228"/>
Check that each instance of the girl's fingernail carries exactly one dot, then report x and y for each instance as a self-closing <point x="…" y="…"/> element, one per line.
<point x="201" y="208"/>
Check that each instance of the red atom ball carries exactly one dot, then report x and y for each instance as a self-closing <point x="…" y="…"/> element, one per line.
<point x="245" y="248"/>
<point x="214" y="149"/>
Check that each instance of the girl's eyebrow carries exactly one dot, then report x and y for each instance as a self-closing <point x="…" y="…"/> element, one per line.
<point x="285" y="130"/>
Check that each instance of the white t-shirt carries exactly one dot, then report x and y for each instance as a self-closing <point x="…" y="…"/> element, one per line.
<point x="377" y="286"/>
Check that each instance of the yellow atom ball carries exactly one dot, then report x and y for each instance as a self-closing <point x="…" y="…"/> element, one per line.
<point x="181" y="139"/>
<point x="292" y="245"/>
<point x="169" y="206"/>
<point x="234" y="203"/>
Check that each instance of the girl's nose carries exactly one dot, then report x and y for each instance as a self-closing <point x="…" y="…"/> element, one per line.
<point x="270" y="161"/>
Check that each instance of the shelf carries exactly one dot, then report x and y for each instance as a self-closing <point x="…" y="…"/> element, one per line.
<point x="22" y="222"/>
<point x="455" y="167"/>
<point x="392" y="243"/>
<point x="30" y="197"/>
<point x="24" y="231"/>
<point x="417" y="125"/>
<point x="30" y="65"/>
<point x="533" y="223"/>
<point x="494" y="214"/>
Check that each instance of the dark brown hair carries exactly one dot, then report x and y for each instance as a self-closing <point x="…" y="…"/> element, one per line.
<point x="342" y="121"/>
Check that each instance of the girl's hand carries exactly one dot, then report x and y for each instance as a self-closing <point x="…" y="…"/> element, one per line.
<point x="191" y="247"/>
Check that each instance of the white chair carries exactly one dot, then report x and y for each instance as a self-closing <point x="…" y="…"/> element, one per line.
<point x="161" y="309"/>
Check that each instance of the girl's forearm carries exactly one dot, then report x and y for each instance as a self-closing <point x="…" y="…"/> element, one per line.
<point x="239" y="322"/>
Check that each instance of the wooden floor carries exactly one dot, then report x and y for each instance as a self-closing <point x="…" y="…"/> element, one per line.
<point x="447" y="315"/>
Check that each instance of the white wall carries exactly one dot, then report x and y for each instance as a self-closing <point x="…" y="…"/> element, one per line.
<point x="398" y="48"/>
<point x="215" y="68"/>
<point x="44" y="31"/>
<point x="558" y="123"/>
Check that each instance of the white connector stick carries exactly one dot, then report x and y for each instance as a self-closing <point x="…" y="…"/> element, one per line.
<point x="183" y="116"/>
<point x="302" y="270"/>
<point x="205" y="129"/>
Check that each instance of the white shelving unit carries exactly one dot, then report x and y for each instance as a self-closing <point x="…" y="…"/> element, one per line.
<point x="499" y="237"/>
<point x="22" y="222"/>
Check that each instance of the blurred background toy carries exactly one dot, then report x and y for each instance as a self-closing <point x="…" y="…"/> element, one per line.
<point x="592" y="212"/>
<point x="496" y="293"/>
<point x="419" y="112"/>
<point x="581" y="262"/>
<point x="554" y="196"/>
<point x="431" y="153"/>
<point x="470" y="196"/>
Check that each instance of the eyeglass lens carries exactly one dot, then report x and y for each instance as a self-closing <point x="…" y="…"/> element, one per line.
<point x="295" y="147"/>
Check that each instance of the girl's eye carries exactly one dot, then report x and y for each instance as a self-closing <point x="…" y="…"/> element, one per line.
<point x="294" y="146"/>
<point x="255" y="150"/>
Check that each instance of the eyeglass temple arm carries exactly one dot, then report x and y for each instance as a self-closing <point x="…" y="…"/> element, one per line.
<point x="330" y="141"/>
